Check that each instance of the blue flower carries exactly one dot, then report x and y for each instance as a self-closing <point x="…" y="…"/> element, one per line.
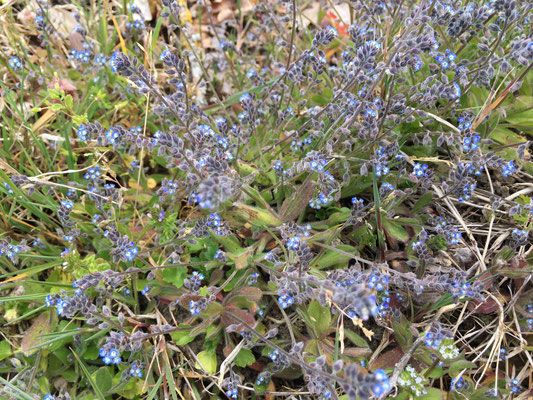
<point x="321" y="200"/>
<point x="457" y="384"/>
<point x="420" y="170"/>
<point x="146" y="290"/>
<point x="93" y="173"/>
<point x="100" y="59"/>
<point x="471" y="143"/>
<point x="112" y="135"/>
<point x="130" y="253"/>
<point x="136" y="371"/>
<point x="218" y="256"/>
<point x="252" y="73"/>
<point x="285" y="301"/>
<point x="8" y="188"/>
<point x="50" y="301"/>
<point x="196" y="307"/>
<point x="418" y="63"/>
<point x="110" y="356"/>
<point x="508" y="169"/>
<point x="383" y="384"/>
<point x="245" y="97"/>
<point x="60" y="306"/>
<point x="514" y="385"/>
<point x="67" y="204"/>
<point x="82" y="133"/>
<point x="15" y="63"/>
<point x="295" y="242"/>
<point x="232" y="393"/>
<point x="261" y="379"/>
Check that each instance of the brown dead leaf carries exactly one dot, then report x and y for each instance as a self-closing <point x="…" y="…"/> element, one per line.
<point x="367" y="332"/>
<point x="229" y="314"/>
<point x="293" y="206"/>
<point x="26" y="16"/>
<point x="145" y="7"/>
<point x="386" y="360"/>
<point x="223" y="10"/>
<point x="63" y="19"/>
<point x="32" y="337"/>
<point x="151" y="183"/>
<point x="357" y="351"/>
<point x="43" y="120"/>
<point x="488" y="306"/>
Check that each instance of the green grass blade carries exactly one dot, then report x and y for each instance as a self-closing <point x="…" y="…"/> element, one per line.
<point x="19" y="394"/>
<point x="153" y="392"/>
<point x="87" y="374"/>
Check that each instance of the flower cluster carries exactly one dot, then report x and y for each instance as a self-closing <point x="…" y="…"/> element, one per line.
<point x="449" y="232"/>
<point x="194" y="282"/>
<point x="124" y="248"/>
<point x="12" y="251"/>
<point x="520" y="237"/>
<point x="412" y="381"/>
<point x="514" y="385"/>
<point x="435" y="337"/>
<point x="15" y="63"/>
<point x="110" y="356"/>
<point x="136" y="370"/>
<point x="364" y="386"/>
<point x="458" y="384"/>
<point x="231" y="384"/>
<point x="249" y="177"/>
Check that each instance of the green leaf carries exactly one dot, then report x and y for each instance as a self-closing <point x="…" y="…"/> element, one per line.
<point x="102" y="378"/>
<point x="169" y="378"/>
<point x="68" y="101"/>
<point x="254" y="215"/>
<point x="436" y="372"/>
<point x="230" y="243"/>
<point x="401" y="396"/>
<point x="57" y="107"/>
<point x="212" y="309"/>
<point x="459" y="365"/>
<point x="395" y="229"/>
<point x="432" y="394"/>
<point x="182" y="337"/>
<point x="79" y="119"/>
<point x="33" y="336"/>
<point x="241" y="257"/>
<point x="54" y="94"/>
<point x="5" y="350"/>
<point x="70" y="375"/>
<point x="208" y="361"/>
<point x="505" y="136"/>
<point x="175" y="276"/>
<point x="320" y="318"/>
<point x="244" y="358"/>
<point x="402" y="333"/>
<point x="355" y="338"/>
<point x="421" y="203"/>
<point x="332" y="257"/>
